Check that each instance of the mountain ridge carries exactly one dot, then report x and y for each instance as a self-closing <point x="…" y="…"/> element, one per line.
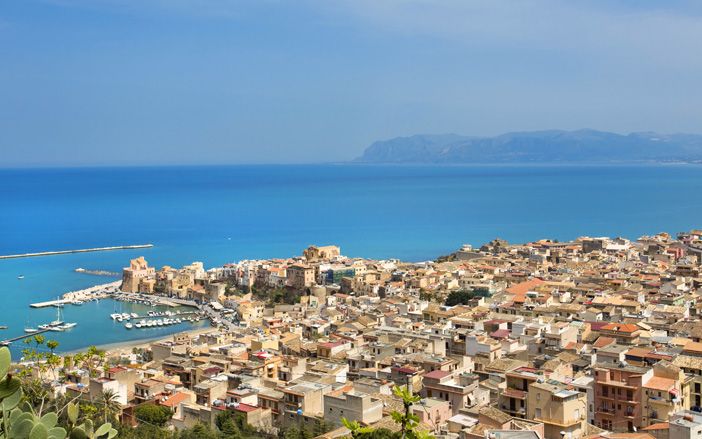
<point x="547" y="146"/>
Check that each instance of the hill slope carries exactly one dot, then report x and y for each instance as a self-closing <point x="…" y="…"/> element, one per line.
<point x="536" y="146"/>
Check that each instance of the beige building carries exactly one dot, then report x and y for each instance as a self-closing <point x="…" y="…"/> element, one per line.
<point x="137" y="271"/>
<point x="559" y="409"/>
<point x="300" y="276"/>
<point x="354" y="406"/>
<point x="666" y="391"/>
<point x="314" y="253"/>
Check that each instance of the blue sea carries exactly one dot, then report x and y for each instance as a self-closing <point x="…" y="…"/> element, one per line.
<point x="224" y="214"/>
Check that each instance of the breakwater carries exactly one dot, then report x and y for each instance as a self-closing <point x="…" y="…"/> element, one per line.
<point x="82" y="250"/>
<point x="97" y="272"/>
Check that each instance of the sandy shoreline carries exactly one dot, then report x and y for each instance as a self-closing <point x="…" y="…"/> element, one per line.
<point x="126" y="347"/>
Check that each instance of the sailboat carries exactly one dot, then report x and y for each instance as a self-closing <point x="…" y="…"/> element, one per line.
<point x="58" y="324"/>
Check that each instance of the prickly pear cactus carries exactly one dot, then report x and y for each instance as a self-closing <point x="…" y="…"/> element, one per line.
<point x="18" y="423"/>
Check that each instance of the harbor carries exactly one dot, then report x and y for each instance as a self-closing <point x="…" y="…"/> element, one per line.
<point x="82" y="317"/>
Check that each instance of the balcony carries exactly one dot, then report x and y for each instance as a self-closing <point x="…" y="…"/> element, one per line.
<point x="605" y="411"/>
<point x="563" y="423"/>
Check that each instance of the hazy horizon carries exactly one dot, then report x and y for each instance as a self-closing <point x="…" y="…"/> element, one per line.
<point x="153" y="82"/>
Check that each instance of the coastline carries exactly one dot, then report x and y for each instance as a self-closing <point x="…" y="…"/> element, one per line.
<point x="119" y="348"/>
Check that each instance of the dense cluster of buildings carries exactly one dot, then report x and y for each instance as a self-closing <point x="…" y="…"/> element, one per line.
<point x="596" y="337"/>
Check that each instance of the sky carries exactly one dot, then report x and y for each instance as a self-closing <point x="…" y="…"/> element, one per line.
<point x="148" y="82"/>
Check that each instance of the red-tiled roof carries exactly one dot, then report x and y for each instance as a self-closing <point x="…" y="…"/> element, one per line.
<point x="621" y="327"/>
<point x="437" y="374"/>
<point x="603" y="341"/>
<point x="174" y="400"/>
<point x="500" y="333"/>
<point x="245" y="408"/>
<point x="523" y="287"/>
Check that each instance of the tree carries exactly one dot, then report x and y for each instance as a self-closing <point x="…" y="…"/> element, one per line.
<point x="153" y="414"/>
<point x="320" y="427"/>
<point x="108" y="404"/>
<point x="462" y="297"/>
<point x="198" y="431"/>
<point x="355" y="428"/>
<point x="52" y="345"/>
<point x="93" y="360"/>
<point x="227" y="426"/>
<point x="296" y="433"/>
<point x="230" y="430"/>
<point x="409" y="422"/>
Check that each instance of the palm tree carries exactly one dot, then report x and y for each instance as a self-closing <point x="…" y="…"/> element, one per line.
<point x="108" y="403"/>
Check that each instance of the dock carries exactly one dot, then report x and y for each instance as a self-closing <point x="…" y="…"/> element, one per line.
<point x="23" y="336"/>
<point x="94" y="292"/>
<point x="82" y="250"/>
<point x="50" y="303"/>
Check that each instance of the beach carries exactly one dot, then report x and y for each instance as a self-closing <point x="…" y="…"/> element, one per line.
<point x="126" y="347"/>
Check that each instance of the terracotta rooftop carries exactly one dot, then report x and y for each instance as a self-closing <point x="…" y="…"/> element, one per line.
<point x="437" y="374"/>
<point x="524" y="287"/>
<point x="621" y="327"/>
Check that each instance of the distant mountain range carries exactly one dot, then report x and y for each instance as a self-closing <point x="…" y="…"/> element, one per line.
<point x="537" y="146"/>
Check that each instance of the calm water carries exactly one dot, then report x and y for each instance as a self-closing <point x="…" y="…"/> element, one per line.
<point x="224" y="214"/>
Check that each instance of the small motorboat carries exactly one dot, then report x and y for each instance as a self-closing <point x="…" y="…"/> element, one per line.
<point x="20" y="277"/>
<point x="128" y="326"/>
<point x="30" y="330"/>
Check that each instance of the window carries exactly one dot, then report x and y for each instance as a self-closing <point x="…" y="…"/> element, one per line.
<point x="537" y="413"/>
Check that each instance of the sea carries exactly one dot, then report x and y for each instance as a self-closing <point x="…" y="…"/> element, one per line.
<point x="221" y="214"/>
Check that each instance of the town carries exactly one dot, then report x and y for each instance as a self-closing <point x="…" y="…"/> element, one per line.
<point x="592" y="338"/>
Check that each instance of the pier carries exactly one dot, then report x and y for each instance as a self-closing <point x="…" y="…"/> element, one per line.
<point x="97" y="272"/>
<point x="23" y="336"/>
<point x="50" y="303"/>
<point x="82" y="250"/>
<point x="94" y="292"/>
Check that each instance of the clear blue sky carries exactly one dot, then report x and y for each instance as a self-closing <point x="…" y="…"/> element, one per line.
<point x="111" y="82"/>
